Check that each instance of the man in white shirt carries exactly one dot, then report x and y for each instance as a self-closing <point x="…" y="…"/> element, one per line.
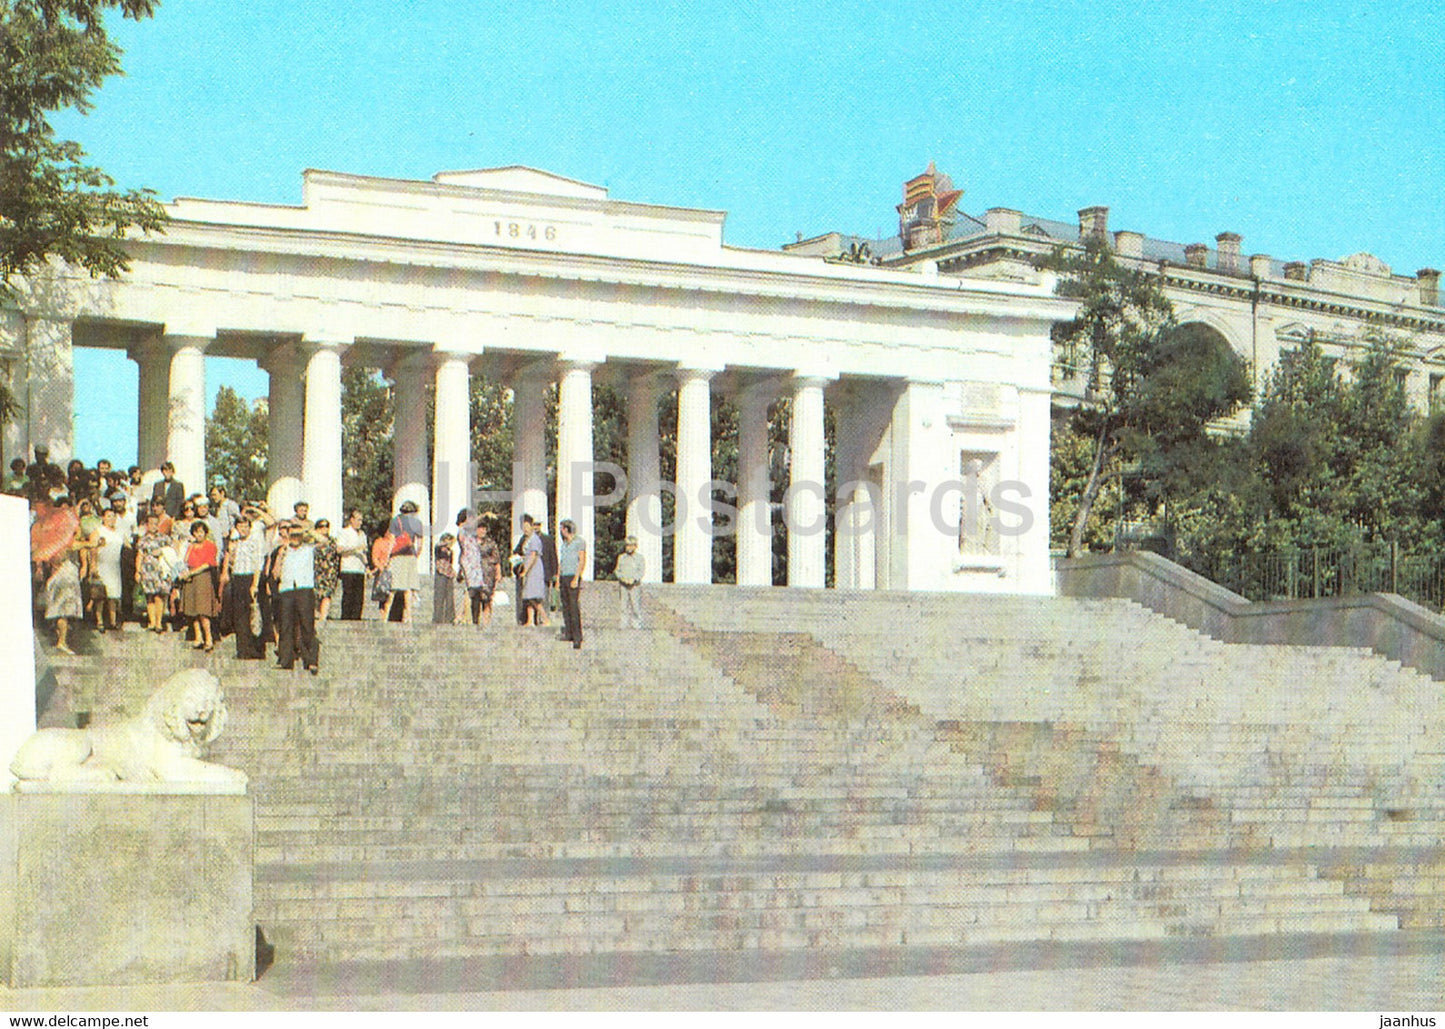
<point x="125" y="524"/>
<point x="351" y="544"/>
<point x="296" y="585"/>
<point x="240" y="576"/>
<point x="225" y="510"/>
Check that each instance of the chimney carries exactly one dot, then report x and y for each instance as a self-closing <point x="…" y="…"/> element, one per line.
<point x="1298" y="271"/>
<point x="1429" y="280"/>
<point x="1259" y="266"/>
<point x="1094" y="223"/>
<point x="1129" y="244"/>
<point x="1228" y="259"/>
<point x="1196" y="255"/>
<point x="1003" y="221"/>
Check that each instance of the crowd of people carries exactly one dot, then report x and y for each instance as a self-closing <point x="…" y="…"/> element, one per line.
<point x="110" y="548"/>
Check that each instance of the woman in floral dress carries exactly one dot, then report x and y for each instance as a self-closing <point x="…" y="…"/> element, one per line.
<point x="481" y="569"/>
<point x="153" y="571"/>
<point x="328" y="568"/>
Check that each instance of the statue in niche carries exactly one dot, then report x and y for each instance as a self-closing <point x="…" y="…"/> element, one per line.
<point x="163" y="744"/>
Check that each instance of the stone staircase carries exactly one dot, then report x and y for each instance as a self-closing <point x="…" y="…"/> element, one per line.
<point x="774" y="770"/>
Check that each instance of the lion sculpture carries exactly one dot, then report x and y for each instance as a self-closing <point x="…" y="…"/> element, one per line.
<point x="162" y="744"/>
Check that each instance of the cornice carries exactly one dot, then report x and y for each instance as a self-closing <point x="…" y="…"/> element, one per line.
<point x="866" y="290"/>
<point x="1286" y="293"/>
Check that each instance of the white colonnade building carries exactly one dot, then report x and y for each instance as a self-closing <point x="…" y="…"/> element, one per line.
<point x="938" y="385"/>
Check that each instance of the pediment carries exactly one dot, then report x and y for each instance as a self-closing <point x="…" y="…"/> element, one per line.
<point x="519" y="178"/>
<point x="1367" y="263"/>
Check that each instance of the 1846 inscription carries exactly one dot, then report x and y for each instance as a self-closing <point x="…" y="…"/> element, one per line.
<point x="508" y="230"/>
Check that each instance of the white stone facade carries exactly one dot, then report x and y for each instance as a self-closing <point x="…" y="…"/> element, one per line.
<point x="531" y="278"/>
<point x="1259" y="305"/>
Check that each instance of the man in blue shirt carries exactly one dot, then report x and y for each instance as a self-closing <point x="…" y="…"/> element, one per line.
<point x="571" y="564"/>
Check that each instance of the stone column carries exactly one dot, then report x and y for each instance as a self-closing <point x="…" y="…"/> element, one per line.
<point x="152" y="403"/>
<point x="186" y="405"/>
<point x="410" y="478"/>
<point x="921" y="459"/>
<point x="806" y="508"/>
<point x="692" y="553"/>
<point x="50" y="399"/>
<point x="284" y="439"/>
<point x="452" y="441"/>
<point x="529" y="460"/>
<point x="755" y="513"/>
<point x="321" y="456"/>
<point x="644" y="495"/>
<point x="574" y="453"/>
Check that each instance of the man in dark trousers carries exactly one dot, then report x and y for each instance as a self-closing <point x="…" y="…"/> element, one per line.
<point x="296" y="586"/>
<point x="572" y="565"/>
<point x="240" y="578"/>
<point x="519" y="552"/>
<point x="170" y="491"/>
<point x="549" y="560"/>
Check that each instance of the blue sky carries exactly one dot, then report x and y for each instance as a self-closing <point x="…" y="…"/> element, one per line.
<point x="1314" y="129"/>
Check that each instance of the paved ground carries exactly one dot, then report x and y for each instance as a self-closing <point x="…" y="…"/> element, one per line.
<point x="1399" y="972"/>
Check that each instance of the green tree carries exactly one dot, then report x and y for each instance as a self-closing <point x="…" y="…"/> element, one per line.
<point x="53" y="55"/>
<point x="1335" y="458"/>
<point x="1149" y="388"/>
<point x="236" y="444"/>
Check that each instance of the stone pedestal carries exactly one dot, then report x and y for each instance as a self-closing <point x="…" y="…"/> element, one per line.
<point x="119" y="888"/>
<point x="17" y="633"/>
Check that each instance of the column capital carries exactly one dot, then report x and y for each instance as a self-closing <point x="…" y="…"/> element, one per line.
<point x="567" y="364"/>
<point x="542" y="371"/>
<point x="281" y="357"/>
<point x="411" y="361"/>
<point x="757" y="394"/>
<point x="693" y="373"/>
<point x="309" y="345"/>
<point x="811" y="379"/>
<point x="174" y="341"/>
<point x="147" y="348"/>
<point x="441" y="355"/>
<point x="646" y="379"/>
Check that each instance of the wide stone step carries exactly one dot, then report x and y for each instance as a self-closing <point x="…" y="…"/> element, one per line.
<point x="1021" y="841"/>
<point x="346" y="946"/>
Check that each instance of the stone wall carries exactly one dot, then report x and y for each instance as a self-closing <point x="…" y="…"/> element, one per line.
<point x="1386" y="623"/>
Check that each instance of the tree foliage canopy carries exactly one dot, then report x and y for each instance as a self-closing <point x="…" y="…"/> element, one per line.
<point x="236" y="445"/>
<point x="1149" y="385"/>
<point x="53" y="204"/>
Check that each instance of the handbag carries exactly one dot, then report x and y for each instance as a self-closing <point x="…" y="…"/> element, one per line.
<point x="554" y="599"/>
<point x="381" y="586"/>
